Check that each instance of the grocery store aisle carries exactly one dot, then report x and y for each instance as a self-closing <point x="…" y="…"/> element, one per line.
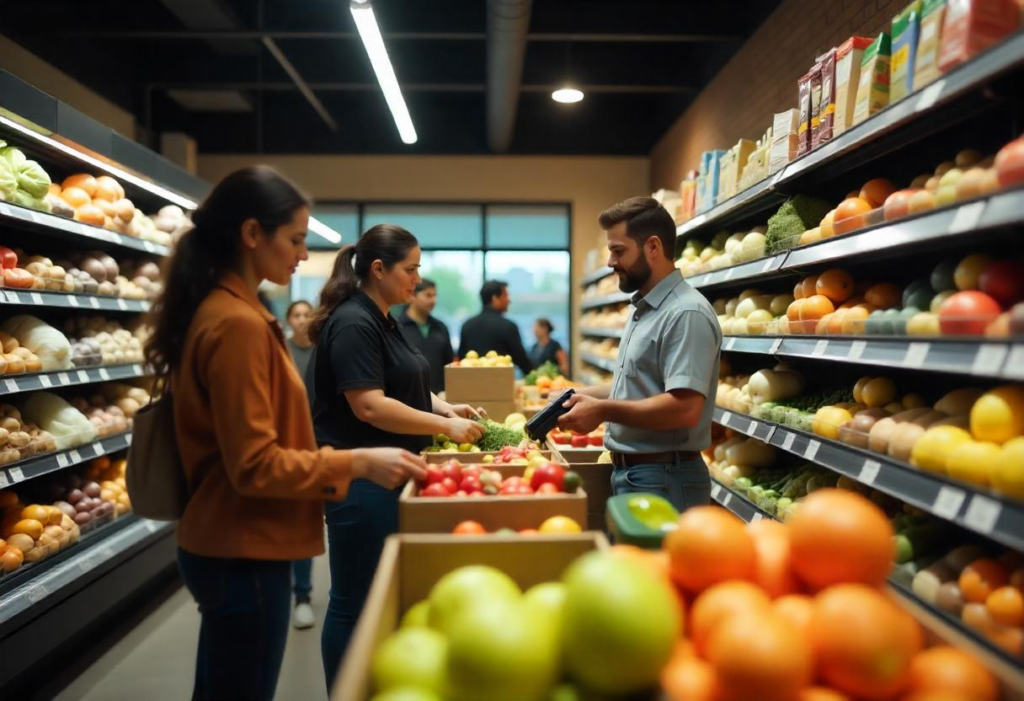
<point x="155" y="661"/>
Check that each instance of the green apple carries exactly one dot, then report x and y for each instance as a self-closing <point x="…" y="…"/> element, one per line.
<point x="411" y="657"/>
<point x="407" y="693"/>
<point x="506" y="651"/>
<point x="757" y="322"/>
<point x="468" y="589"/>
<point x="621" y="624"/>
<point x="417" y="616"/>
<point x="780" y="304"/>
<point x="549" y="600"/>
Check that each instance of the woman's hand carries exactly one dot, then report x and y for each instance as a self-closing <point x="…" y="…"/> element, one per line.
<point x="463" y="430"/>
<point x="388" y="467"/>
<point x="465" y="411"/>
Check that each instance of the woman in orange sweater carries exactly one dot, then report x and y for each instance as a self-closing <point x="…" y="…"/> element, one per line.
<point x="256" y="480"/>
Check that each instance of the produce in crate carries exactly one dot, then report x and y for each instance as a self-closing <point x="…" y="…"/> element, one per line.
<point x="496" y="437"/>
<point x="551" y="526"/>
<point x="453" y="479"/>
<point x="491" y="359"/>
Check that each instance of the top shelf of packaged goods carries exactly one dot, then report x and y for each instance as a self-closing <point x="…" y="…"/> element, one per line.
<point x="928" y="110"/>
<point x="595" y="276"/>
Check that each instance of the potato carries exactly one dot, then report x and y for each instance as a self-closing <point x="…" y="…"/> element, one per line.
<point x="881" y="432"/>
<point x="901" y="442"/>
<point x="851" y="435"/>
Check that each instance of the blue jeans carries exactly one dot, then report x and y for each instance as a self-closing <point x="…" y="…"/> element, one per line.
<point x="356" y="530"/>
<point x="245" y="608"/>
<point x="685" y="483"/>
<point x="302" y="576"/>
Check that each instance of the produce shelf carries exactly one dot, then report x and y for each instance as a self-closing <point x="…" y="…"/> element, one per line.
<point x="991" y="358"/>
<point x="743" y="508"/>
<point x="31" y="468"/>
<point x="986" y="513"/>
<point x="71" y="378"/>
<point x="760" y="269"/>
<point x="596" y="302"/>
<point x="62" y="300"/>
<point x="595" y="276"/>
<point x="97" y="550"/>
<point x="74" y="232"/>
<point x="602" y="333"/>
<point x="891" y="129"/>
<point x="598" y="362"/>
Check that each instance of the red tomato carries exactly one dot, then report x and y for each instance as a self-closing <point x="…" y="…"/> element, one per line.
<point x="469" y="528"/>
<point x="471" y="484"/>
<point x="579" y="442"/>
<point x="550" y="473"/>
<point x="461" y="493"/>
<point x="1003" y="281"/>
<point x="449" y="485"/>
<point x="8" y="258"/>
<point x="561" y="437"/>
<point x="452" y="470"/>
<point x="967" y="313"/>
<point x="435" y="490"/>
<point x="548" y="488"/>
<point x="596" y="441"/>
<point x="434" y="475"/>
<point x="1010" y="163"/>
<point x="471" y="471"/>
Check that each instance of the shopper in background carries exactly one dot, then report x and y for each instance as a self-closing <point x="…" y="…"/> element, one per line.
<point x="427" y="333"/>
<point x="370" y="387"/>
<point x="256" y="481"/>
<point x="659" y="404"/>
<point x="491" y="331"/>
<point x="547" y="349"/>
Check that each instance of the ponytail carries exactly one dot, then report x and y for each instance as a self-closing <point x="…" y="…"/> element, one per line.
<point x="388" y="243"/>
<point x="210" y="249"/>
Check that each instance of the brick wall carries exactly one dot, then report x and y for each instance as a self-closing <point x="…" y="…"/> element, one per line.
<point x="760" y="80"/>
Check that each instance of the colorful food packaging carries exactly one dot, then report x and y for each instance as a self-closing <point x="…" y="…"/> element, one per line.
<point x="905" y="30"/>
<point x="873" y="88"/>
<point x="971" y="26"/>
<point x="784" y="140"/>
<point x="688" y="194"/>
<point x="848" y="59"/>
<point x="926" y="63"/>
<point x="804" y="128"/>
<point x="823" y="119"/>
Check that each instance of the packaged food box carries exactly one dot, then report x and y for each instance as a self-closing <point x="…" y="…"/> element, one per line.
<point x="782" y="153"/>
<point x="926" y="62"/>
<point x="848" y="59"/>
<point x="785" y="124"/>
<point x="873" y="88"/>
<point x="464" y="385"/>
<point x="823" y="116"/>
<point x="905" y="31"/>
<point x="971" y="26"/>
<point x="804" y="127"/>
<point x="688" y="193"/>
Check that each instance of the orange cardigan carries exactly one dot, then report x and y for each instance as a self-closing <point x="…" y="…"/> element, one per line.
<point x="256" y="480"/>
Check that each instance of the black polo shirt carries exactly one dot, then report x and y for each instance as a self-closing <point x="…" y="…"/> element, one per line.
<point x="360" y="348"/>
<point x="436" y="346"/>
<point x="491" y="331"/>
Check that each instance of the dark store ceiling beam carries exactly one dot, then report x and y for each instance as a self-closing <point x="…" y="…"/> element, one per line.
<point x="300" y="84"/>
<point x="392" y="36"/>
<point x="425" y="87"/>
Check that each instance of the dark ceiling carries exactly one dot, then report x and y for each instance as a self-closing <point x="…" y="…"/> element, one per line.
<point x="138" y="53"/>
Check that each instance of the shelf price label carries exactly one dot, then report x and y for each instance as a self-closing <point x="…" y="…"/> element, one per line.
<point x="137" y="370"/>
<point x="989" y="359"/>
<point x="36" y="298"/>
<point x="45" y="381"/>
<point x="63" y="379"/>
<point x="12" y="385"/>
<point x="716" y="491"/>
<point x="727" y="275"/>
<point x="727" y="499"/>
<point x="122" y="305"/>
<point x="148" y="245"/>
<point x="812" y="450"/>
<point x="4" y="482"/>
<point x="756" y="517"/>
<point x="1014" y="367"/>
<point x="820" y="348"/>
<point x="13" y="297"/>
<point x="75" y="457"/>
<point x="916" y="354"/>
<point x="857" y="349"/>
<point x="62" y="460"/>
<point x="982" y="514"/>
<point x="869" y="472"/>
<point x="73" y="301"/>
<point x="104" y="374"/>
<point x="729" y="344"/>
<point x="98" y="449"/>
<point x="128" y="440"/>
<point x="787" y="442"/>
<point x="967" y="217"/>
<point x="776" y="344"/>
<point x="83" y="376"/>
<point x="948" y="502"/>
<point x="726" y="417"/>
<point x="929" y="95"/>
<point x="94" y="303"/>
<point x="16" y="475"/>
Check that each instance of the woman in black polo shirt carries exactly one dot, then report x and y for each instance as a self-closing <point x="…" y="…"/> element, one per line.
<point x="370" y="388"/>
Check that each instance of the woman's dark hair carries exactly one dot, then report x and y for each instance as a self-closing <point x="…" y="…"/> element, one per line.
<point x="388" y="243"/>
<point x="297" y="303"/>
<point x="211" y="248"/>
<point x="546" y="324"/>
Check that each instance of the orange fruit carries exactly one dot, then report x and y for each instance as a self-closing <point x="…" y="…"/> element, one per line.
<point x="561" y="525"/>
<point x="809" y="286"/>
<point x="884" y="295"/>
<point x="828" y="225"/>
<point x="469" y="528"/>
<point x="981" y="578"/>
<point x="689" y="678"/>
<point x="851" y="209"/>
<point x="977" y="617"/>
<point x="798" y="291"/>
<point x="852" y="302"/>
<point x="952" y="671"/>
<point x="840" y="536"/>
<point x="718" y="603"/>
<point x="529" y="531"/>
<point x="820" y="693"/>
<point x="877" y="191"/>
<point x="798" y="609"/>
<point x="1006" y="607"/>
<point x="793" y="314"/>
<point x="835" y="322"/>
<point x="1010" y="639"/>
<point x="815" y="307"/>
<point x="709" y="546"/>
<point x="821" y="328"/>
<point x="854" y="319"/>
<point x="864" y="642"/>
<point x="760" y="655"/>
<point x="836" y="284"/>
<point x="772" y="569"/>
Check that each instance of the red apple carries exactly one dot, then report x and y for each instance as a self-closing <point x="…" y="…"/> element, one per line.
<point x="435" y="490"/>
<point x="434" y="475"/>
<point x="580" y="442"/>
<point x="1003" y="280"/>
<point x="470" y="484"/>
<point x="967" y="313"/>
<point x="1010" y="163"/>
<point x="596" y="441"/>
<point x="449" y="485"/>
<point x="452" y="470"/>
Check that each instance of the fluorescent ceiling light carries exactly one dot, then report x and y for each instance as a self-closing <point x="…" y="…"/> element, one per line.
<point x="321" y="229"/>
<point x="369" y="32"/>
<point x="567" y="95"/>
<point x="97" y="163"/>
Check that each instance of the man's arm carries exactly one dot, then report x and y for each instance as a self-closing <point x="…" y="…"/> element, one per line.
<point x="597" y="391"/>
<point x="678" y="408"/>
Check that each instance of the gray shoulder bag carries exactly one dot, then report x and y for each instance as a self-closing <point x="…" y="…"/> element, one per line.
<point x="155" y="475"/>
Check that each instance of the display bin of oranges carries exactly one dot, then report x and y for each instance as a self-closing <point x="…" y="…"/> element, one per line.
<point x="411" y="566"/>
<point x="514" y="504"/>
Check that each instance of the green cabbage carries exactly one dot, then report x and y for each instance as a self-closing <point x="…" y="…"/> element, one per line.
<point x="22" y="199"/>
<point x="41" y="204"/>
<point x="13" y="156"/>
<point x="33" y="179"/>
<point x="8" y="180"/>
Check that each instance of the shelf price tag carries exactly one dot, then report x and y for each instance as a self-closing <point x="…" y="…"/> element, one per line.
<point x="45" y="381"/>
<point x="989" y="359"/>
<point x="37" y="593"/>
<point x="98" y="449"/>
<point x="1014" y="367"/>
<point x="83" y="376"/>
<point x="869" y="471"/>
<point x="36" y="298"/>
<point x="94" y="303"/>
<point x="12" y="385"/>
<point x="716" y="491"/>
<point x="729" y="344"/>
<point x="787" y="442"/>
<point x="967" y="217"/>
<point x="148" y="245"/>
<point x="916" y="354"/>
<point x="982" y="514"/>
<point x="62" y="460"/>
<point x="820" y="348"/>
<point x="752" y="429"/>
<point x="13" y="297"/>
<point x="75" y="457"/>
<point x="776" y="344"/>
<point x="727" y="275"/>
<point x="122" y="305"/>
<point x="63" y="379"/>
<point x="104" y="374"/>
<point x="137" y="370"/>
<point x="3" y="479"/>
<point x="73" y="301"/>
<point x="726" y="417"/>
<point x="5" y="210"/>
<point x="16" y="475"/>
<point x="948" y="502"/>
<point x="857" y="349"/>
<point x="929" y="95"/>
<point x="128" y="440"/>
<point x="727" y="499"/>
<point x="812" y="449"/>
<point x="756" y="517"/>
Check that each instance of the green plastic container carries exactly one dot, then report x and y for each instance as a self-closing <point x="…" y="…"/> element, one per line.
<point x="640" y="519"/>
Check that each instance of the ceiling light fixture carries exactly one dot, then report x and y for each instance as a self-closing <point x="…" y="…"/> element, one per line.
<point x="324" y="231"/>
<point x="567" y="95"/>
<point x="369" y="32"/>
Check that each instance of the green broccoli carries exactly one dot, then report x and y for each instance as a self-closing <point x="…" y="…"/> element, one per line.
<point x="795" y="216"/>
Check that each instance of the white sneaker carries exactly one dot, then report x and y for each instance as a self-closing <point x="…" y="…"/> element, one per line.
<point x="303" y="616"/>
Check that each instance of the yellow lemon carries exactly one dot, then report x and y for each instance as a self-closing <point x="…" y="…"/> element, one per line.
<point x="828" y="420"/>
<point x="998" y="415"/>
<point x="973" y="462"/>
<point x="560" y="525"/>
<point x="1008" y="472"/>
<point x="931" y="450"/>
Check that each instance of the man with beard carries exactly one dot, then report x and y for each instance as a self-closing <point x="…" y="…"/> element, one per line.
<point x="659" y="404"/>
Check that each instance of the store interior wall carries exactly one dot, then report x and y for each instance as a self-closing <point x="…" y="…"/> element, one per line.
<point x="589" y="184"/>
<point x="761" y="79"/>
<point x="40" y="74"/>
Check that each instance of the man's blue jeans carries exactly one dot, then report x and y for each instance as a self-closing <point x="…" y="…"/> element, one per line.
<point x="685" y="483"/>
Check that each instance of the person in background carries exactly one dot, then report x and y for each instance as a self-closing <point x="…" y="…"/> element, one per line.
<point x="659" y="404"/>
<point x="256" y="481"/>
<point x="491" y="331"/>
<point x="427" y="333"/>
<point x="301" y="349"/>
<point x="547" y="349"/>
<point x="370" y="387"/>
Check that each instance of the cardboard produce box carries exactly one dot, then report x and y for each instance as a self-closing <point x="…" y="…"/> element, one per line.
<point x="442" y="514"/>
<point x="468" y="385"/>
<point x="576" y="456"/>
<point x="410" y="566"/>
<point x="496" y="411"/>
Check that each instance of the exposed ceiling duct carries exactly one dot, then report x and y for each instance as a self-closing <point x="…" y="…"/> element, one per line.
<point x="508" y="23"/>
<point x="212" y="15"/>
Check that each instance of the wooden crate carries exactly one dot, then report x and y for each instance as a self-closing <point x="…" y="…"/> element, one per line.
<point x="477" y="458"/>
<point x="410" y="566"/>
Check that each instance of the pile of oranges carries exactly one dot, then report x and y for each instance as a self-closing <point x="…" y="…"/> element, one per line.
<point x="834" y="303"/>
<point x="797" y="612"/>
